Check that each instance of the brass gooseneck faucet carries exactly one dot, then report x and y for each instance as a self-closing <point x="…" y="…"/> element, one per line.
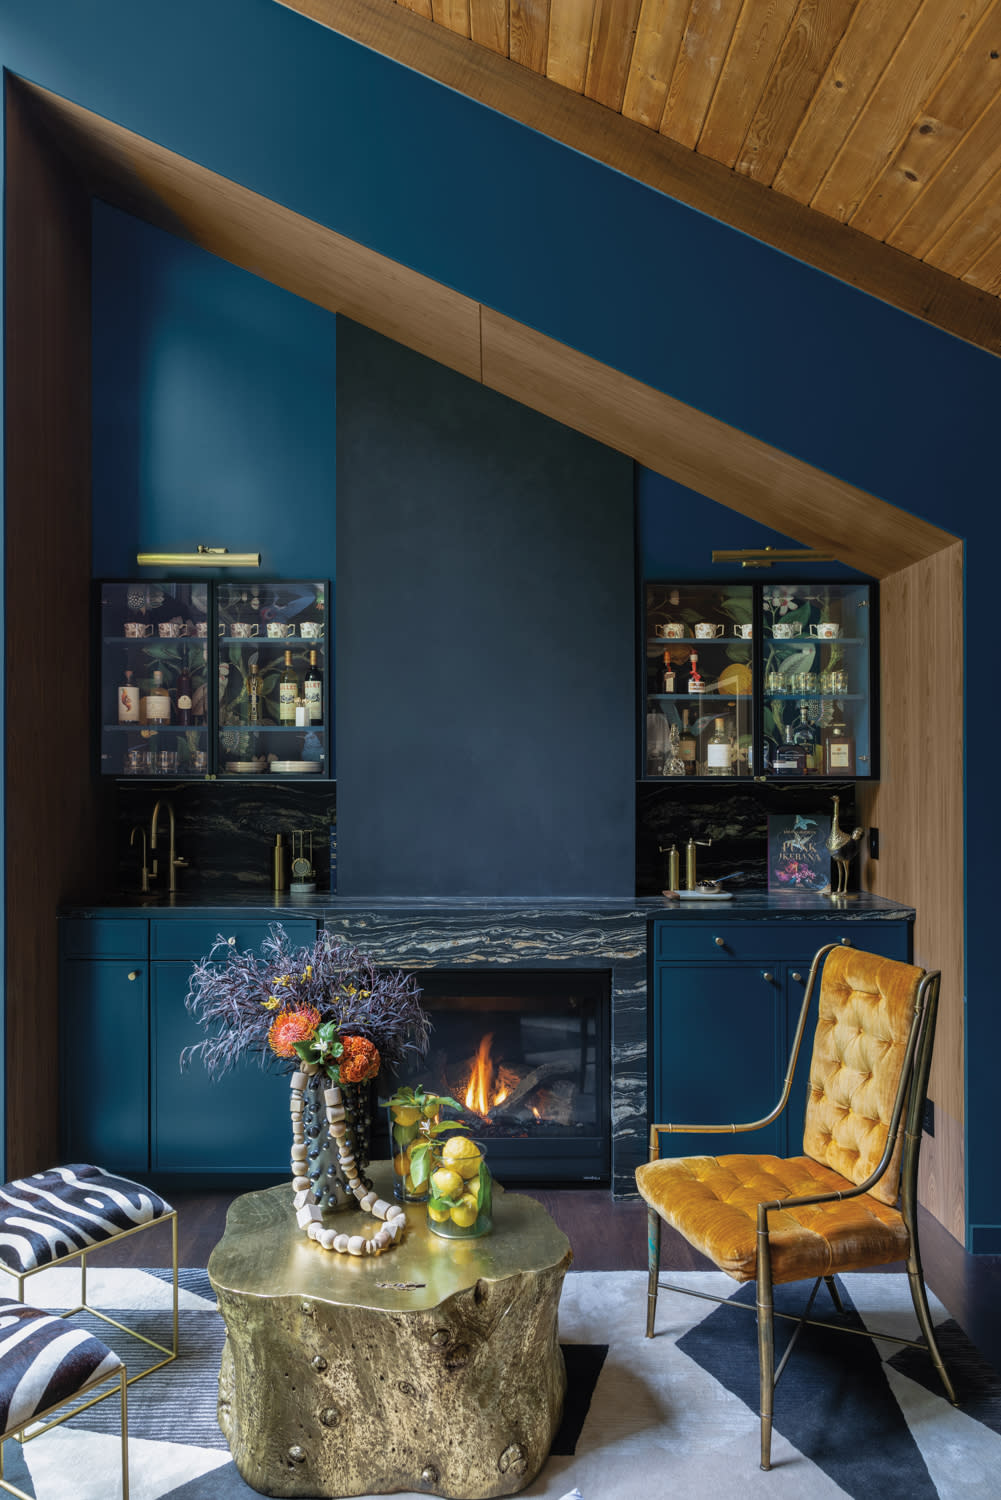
<point x="174" y="860"/>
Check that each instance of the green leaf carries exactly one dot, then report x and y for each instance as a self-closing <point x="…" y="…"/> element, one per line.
<point x="438" y="1127"/>
<point x="739" y="609"/>
<point x="481" y="1184"/>
<point x="420" y="1166"/>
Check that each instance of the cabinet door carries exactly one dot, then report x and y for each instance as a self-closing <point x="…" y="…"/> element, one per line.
<point x="718" y="1044"/>
<point x="238" y="1123"/>
<point x="104" y="1057"/>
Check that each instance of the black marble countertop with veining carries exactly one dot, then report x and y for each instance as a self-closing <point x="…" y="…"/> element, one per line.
<point x="744" y="905"/>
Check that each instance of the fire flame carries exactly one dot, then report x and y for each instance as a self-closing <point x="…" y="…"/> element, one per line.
<point x="488" y="1086"/>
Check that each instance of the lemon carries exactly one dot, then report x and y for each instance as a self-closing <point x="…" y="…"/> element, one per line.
<point x="462" y="1156"/>
<point x="446" y="1184"/>
<point x="431" y="1110"/>
<point x="405" y="1114"/>
<point x="439" y="1215"/>
<point x="465" y="1211"/>
<point x="401" y="1165"/>
<point x="410" y="1186"/>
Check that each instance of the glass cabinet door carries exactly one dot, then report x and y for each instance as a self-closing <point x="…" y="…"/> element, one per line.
<point x="272" y="640"/>
<point x="154" y="697"/>
<point x="816" y="668"/>
<point x="698" y="680"/>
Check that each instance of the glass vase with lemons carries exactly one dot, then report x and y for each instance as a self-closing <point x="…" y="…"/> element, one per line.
<point x="414" y="1121"/>
<point x="460" y="1204"/>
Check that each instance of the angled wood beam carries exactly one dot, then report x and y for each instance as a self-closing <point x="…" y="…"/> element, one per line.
<point x="658" y="162"/>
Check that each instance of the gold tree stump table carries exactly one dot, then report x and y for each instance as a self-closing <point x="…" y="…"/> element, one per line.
<point x="433" y="1367"/>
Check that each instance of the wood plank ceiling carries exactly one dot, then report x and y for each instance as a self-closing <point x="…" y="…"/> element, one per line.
<point x="881" y="114"/>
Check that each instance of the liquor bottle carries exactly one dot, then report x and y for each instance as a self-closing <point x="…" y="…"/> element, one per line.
<point x="667" y="676"/>
<point x="718" y="750"/>
<point x="252" y="692"/>
<point x="157" y="700"/>
<point x="803" y="734"/>
<point x="128" y="699"/>
<point x="839" y="750"/>
<point x="696" y="683"/>
<point x="789" y="758"/>
<point x="184" y="715"/>
<point x="288" y="692"/>
<point x="689" y="746"/>
<point x="313" y="691"/>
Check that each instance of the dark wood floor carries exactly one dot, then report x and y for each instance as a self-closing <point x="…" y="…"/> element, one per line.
<point x="609" y="1236"/>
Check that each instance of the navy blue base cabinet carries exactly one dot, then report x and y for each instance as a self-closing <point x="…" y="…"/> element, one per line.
<point x="124" y="1102"/>
<point x="726" y="997"/>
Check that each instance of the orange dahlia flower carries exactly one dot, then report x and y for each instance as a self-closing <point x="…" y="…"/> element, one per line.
<point x="359" y="1060"/>
<point x="292" y="1026"/>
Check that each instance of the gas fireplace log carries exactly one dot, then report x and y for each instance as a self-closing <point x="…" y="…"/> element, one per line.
<point x="533" y="1080"/>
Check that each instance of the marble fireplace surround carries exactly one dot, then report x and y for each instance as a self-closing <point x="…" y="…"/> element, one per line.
<point x="549" y="936"/>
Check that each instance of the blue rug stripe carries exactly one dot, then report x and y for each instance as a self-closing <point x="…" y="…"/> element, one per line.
<point x="833" y="1402"/>
<point x="976" y="1383"/>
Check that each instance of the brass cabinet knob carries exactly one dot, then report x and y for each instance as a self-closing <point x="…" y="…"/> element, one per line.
<point x="798" y="978"/>
<point x="232" y="942"/>
<point x="134" y="974"/>
<point x="845" y="942"/>
<point x="767" y="976"/>
<point x="720" y="942"/>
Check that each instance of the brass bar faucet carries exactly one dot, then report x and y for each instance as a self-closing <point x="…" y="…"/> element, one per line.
<point x="144" y="885"/>
<point x="174" y="860"/>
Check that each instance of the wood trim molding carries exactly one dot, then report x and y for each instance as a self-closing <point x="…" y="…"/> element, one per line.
<point x="653" y="159"/>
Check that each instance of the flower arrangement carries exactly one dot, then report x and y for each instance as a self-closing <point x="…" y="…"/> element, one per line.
<point x="328" y="1006"/>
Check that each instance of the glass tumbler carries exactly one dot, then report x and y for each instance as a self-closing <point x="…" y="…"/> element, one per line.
<point x="408" y="1128"/>
<point x="460" y="1206"/>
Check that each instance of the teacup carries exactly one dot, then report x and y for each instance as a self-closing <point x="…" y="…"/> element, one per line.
<point x="705" y="631"/>
<point x="277" y="631"/>
<point x="242" y="629"/>
<point x="135" y="629"/>
<point x="784" y="630"/>
<point x="744" y="631"/>
<point x="200" y="628"/>
<point x="674" y="630"/>
<point x="171" y="629"/>
<point x="311" y="630"/>
<point x="826" y="630"/>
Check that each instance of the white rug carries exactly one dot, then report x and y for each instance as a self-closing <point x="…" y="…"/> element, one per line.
<point x="672" y="1416"/>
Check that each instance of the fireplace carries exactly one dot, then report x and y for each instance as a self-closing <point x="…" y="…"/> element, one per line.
<point x="526" y="1054"/>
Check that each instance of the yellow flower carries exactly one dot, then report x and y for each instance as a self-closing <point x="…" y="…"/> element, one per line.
<point x="309" y="972"/>
<point x="271" y="1003"/>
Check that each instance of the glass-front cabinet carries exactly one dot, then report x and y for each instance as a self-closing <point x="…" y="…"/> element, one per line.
<point x="220" y="679"/>
<point x="758" y="680"/>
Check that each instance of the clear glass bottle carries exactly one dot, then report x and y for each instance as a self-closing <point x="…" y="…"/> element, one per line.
<point x="718" y="750"/>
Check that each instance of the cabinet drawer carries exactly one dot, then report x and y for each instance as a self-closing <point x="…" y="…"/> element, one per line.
<point x="797" y="941"/>
<point x="193" y="939"/>
<point x="104" y="937"/>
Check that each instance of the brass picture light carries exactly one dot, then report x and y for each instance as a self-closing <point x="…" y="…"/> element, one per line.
<point x="763" y="557"/>
<point x="204" y="557"/>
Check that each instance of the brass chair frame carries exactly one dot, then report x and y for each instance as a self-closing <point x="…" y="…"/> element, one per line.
<point x="908" y="1108"/>
<point x="121" y="1383"/>
<point x="84" y="1306"/>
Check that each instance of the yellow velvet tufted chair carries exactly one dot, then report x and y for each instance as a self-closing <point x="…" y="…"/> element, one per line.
<point x="849" y="1202"/>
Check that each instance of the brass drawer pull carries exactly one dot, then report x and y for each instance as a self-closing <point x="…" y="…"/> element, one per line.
<point x="231" y="941"/>
<point x="720" y="942"/>
<point x="797" y="976"/>
<point x="134" y="974"/>
<point x="767" y="976"/>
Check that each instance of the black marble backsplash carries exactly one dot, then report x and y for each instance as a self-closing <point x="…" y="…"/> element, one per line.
<point x="735" y="818"/>
<point x="226" y="831"/>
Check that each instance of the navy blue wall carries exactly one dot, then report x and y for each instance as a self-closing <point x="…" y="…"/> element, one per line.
<point x="485" y="704"/>
<point x="213" y="408"/>
<point x="669" y="296"/>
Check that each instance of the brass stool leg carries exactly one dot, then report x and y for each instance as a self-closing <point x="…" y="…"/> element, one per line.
<point x="920" y="1299"/>
<point x="653" y="1267"/>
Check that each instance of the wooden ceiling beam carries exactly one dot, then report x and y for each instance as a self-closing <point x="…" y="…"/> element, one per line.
<point x="633" y="149"/>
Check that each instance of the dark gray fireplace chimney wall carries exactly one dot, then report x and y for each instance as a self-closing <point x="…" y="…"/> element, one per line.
<point x="485" y="640"/>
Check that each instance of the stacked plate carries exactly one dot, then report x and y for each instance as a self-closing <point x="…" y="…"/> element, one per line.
<point x="295" y="767"/>
<point x="248" y="767"/>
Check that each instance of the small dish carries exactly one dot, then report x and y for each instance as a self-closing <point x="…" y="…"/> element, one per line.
<point x="247" y="767"/>
<point x="706" y="895"/>
<point x="295" y="767"/>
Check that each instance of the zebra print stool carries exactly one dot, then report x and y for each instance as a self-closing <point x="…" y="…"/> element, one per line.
<point x="43" y="1365"/>
<point x="59" y="1215"/>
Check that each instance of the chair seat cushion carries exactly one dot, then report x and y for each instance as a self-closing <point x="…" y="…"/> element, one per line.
<point x="62" y="1211"/>
<point x="43" y="1361"/>
<point x="713" y="1202"/>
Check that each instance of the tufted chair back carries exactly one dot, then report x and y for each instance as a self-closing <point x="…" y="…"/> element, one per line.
<point x="865" y="1012"/>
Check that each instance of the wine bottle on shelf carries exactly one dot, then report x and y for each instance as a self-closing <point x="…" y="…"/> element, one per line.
<point x="128" y="699"/>
<point x="288" y="692"/>
<point x="184" y="714"/>
<point x="313" y="691"/>
<point x="718" y="750"/>
<point x="252" y="694"/>
<point x="839" y="749"/>
<point x="667" y="674"/>
<point x="688" y="746"/>
<point x="157" y="700"/>
<point x="696" y="682"/>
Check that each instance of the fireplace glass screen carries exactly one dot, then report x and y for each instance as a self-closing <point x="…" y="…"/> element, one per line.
<point x="526" y="1054"/>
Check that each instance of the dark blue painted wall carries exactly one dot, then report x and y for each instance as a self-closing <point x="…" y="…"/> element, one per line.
<point x="213" y="408"/>
<point x="741" y="331"/>
<point x="485" y="626"/>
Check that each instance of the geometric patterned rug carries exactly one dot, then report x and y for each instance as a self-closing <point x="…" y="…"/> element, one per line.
<point x="645" y="1418"/>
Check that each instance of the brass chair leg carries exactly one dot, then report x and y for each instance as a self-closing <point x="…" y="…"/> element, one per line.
<point x="831" y="1286"/>
<point x="920" y="1299"/>
<point x="653" y="1267"/>
<point x="766" y="1337"/>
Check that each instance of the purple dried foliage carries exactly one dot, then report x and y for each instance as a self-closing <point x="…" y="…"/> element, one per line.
<point x="228" y="994"/>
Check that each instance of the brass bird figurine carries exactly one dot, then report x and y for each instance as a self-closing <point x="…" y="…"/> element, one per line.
<point x="842" y="847"/>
